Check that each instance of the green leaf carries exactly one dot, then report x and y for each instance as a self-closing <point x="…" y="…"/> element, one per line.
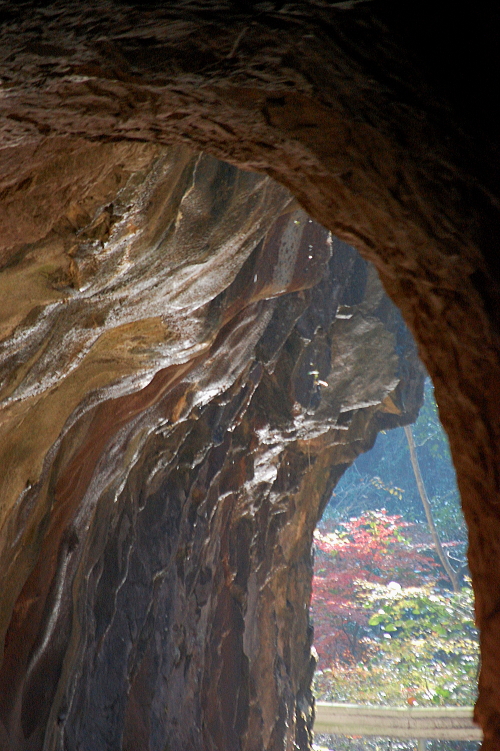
<point x="376" y="619"/>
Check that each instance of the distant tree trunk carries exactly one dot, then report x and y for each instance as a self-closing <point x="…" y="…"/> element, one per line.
<point x="428" y="512"/>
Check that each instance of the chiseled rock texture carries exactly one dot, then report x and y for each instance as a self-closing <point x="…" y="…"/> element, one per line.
<point x="188" y="364"/>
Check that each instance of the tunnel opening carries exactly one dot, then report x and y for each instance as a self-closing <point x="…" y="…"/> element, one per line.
<point x="393" y="627"/>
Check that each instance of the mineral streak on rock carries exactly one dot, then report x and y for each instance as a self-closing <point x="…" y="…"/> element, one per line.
<point x="189" y="363"/>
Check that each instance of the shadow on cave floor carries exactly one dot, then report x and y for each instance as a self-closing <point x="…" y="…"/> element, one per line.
<point x="391" y="626"/>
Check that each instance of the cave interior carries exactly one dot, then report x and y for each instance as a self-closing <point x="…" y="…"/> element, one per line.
<point x="207" y="209"/>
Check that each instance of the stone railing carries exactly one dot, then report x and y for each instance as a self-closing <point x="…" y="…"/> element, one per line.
<point x="419" y="723"/>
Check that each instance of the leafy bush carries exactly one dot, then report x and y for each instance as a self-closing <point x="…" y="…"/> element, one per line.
<point x="370" y="548"/>
<point x="384" y="632"/>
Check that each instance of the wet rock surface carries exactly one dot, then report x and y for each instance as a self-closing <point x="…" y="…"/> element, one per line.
<point x="188" y="365"/>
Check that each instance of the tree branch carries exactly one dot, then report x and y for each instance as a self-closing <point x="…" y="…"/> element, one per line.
<point x="428" y="512"/>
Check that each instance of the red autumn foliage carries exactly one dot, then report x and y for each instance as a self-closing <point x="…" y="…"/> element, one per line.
<point x="370" y="548"/>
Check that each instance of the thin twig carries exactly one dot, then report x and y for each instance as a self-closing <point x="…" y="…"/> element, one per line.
<point x="428" y="512"/>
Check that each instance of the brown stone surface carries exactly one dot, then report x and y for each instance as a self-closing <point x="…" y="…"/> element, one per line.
<point x="383" y="127"/>
<point x="168" y="448"/>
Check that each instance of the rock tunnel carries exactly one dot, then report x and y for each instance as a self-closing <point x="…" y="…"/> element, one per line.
<point x="171" y="297"/>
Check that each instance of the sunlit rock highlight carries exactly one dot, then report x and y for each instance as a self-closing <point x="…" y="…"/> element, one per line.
<point x="188" y="364"/>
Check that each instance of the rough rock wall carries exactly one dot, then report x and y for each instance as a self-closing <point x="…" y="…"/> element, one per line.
<point x="188" y="365"/>
<point x="380" y="118"/>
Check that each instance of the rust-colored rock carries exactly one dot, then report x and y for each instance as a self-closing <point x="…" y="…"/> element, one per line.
<point x="383" y="128"/>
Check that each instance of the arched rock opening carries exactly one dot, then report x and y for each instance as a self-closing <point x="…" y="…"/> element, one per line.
<point x="381" y="129"/>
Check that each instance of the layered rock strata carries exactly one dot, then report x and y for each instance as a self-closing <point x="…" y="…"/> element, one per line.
<point x="188" y="365"/>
